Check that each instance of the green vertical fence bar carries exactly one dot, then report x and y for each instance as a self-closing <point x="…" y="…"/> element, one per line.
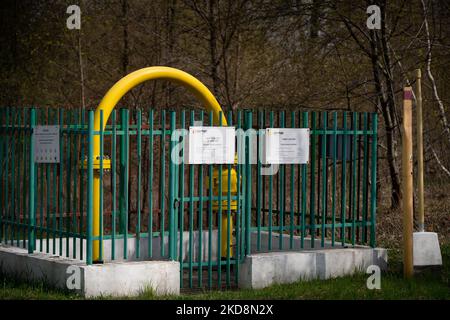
<point x="333" y="192"/>
<point x="200" y="216"/>
<point x="353" y="190"/>
<point x="248" y="176"/>
<point x="364" y="179"/>
<point x="210" y="213"/>
<point x="191" y="212"/>
<point x="292" y="194"/>
<point x="258" y="183"/>
<point x="219" y="222"/>
<point x="2" y="204"/>
<point x="228" y="235"/>
<point x="239" y="207"/>
<point x="172" y="188"/>
<point x="113" y="184"/>
<point x="126" y="151"/>
<point x="102" y="157"/>
<point x="32" y="190"/>
<point x="304" y="177"/>
<point x="139" y="179"/>
<point x="162" y="178"/>
<point x="344" y="177"/>
<point x="373" y="178"/>
<point x="324" y="178"/>
<point x="282" y="189"/>
<point x="75" y="188"/>
<point x="82" y="185"/>
<point x="68" y="180"/>
<point x="7" y="150"/>
<point x="54" y="189"/>
<point x="312" y="217"/>
<point x="2" y="180"/>
<point x="271" y="124"/>
<point x="150" y="184"/>
<point x="181" y="206"/>
<point x="60" y="180"/>
<point x="23" y="212"/>
<point x="90" y="194"/>
<point x="13" y="178"/>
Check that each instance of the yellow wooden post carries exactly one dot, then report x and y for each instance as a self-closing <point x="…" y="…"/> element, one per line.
<point x="407" y="183"/>
<point x="420" y="183"/>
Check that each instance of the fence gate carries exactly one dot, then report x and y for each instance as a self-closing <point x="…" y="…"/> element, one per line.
<point x="154" y="206"/>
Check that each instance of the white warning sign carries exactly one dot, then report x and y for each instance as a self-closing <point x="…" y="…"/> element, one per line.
<point x="46" y="144"/>
<point x="211" y="145"/>
<point x="287" y="146"/>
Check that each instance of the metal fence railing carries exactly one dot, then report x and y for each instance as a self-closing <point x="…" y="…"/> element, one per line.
<point x="207" y="217"/>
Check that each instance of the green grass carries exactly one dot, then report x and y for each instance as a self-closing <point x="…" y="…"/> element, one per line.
<point x="424" y="286"/>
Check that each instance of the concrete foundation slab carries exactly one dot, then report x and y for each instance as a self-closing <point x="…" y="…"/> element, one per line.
<point x="108" y="279"/>
<point x="264" y="269"/>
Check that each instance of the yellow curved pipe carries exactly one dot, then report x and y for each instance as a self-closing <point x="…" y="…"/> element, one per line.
<point x="114" y="95"/>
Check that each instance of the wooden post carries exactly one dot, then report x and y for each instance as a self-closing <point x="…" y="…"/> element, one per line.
<point x="420" y="183"/>
<point x="407" y="184"/>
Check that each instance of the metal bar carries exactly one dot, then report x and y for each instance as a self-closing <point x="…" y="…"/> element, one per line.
<point x="324" y="179"/>
<point x="271" y="124"/>
<point x="113" y="184"/>
<point x="364" y="179"/>
<point x="292" y="193"/>
<point x="162" y="178"/>
<point x="333" y="193"/>
<point x="304" y="177"/>
<point x="281" y="199"/>
<point x="248" y="177"/>
<point x="139" y="155"/>
<point x="172" y="188"/>
<point x="90" y="182"/>
<point x="191" y="212"/>
<point x="312" y="217"/>
<point x="150" y="184"/>
<point x="181" y="207"/>
<point x="228" y="274"/>
<point x="60" y="181"/>
<point x="344" y="178"/>
<point x="200" y="214"/>
<point x="126" y="169"/>
<point x="373" y="177"/>
<point x="259" y="184"/>
<point x="32" y="191"/>
<point x="353" y="189"/>
<point x="102" y="157"/>
<point x="210" y="213"/>
<point x="219" y="220"/>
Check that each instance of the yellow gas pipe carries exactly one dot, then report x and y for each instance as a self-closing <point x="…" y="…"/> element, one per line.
<point x="108" y="103"/>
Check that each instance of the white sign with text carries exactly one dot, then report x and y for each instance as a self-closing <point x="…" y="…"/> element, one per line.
<point x="287" y="146"/>
<point x="46" y="144"/>
<point x="211" y="145"/>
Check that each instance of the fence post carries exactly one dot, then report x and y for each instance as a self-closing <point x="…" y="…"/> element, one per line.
<point x="172" y="188"/>
<point x="407" y="183"/>
<point x="373" y="199"/>
<point x="248" y="182"/>
<point x="90" y="187"/>
<point x="32" y="190"/>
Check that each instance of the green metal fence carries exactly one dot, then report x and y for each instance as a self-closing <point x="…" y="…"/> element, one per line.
<point x="155" y="208"/>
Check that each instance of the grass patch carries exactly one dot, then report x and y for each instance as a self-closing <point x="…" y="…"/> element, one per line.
<point x="424" y="286"/>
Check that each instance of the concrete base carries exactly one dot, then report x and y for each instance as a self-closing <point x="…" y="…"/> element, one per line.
<point x="130" y="277"/>
<point x="108" y="279"/>
<point x="426" y="250"/>
<point x="264" y="269"/>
